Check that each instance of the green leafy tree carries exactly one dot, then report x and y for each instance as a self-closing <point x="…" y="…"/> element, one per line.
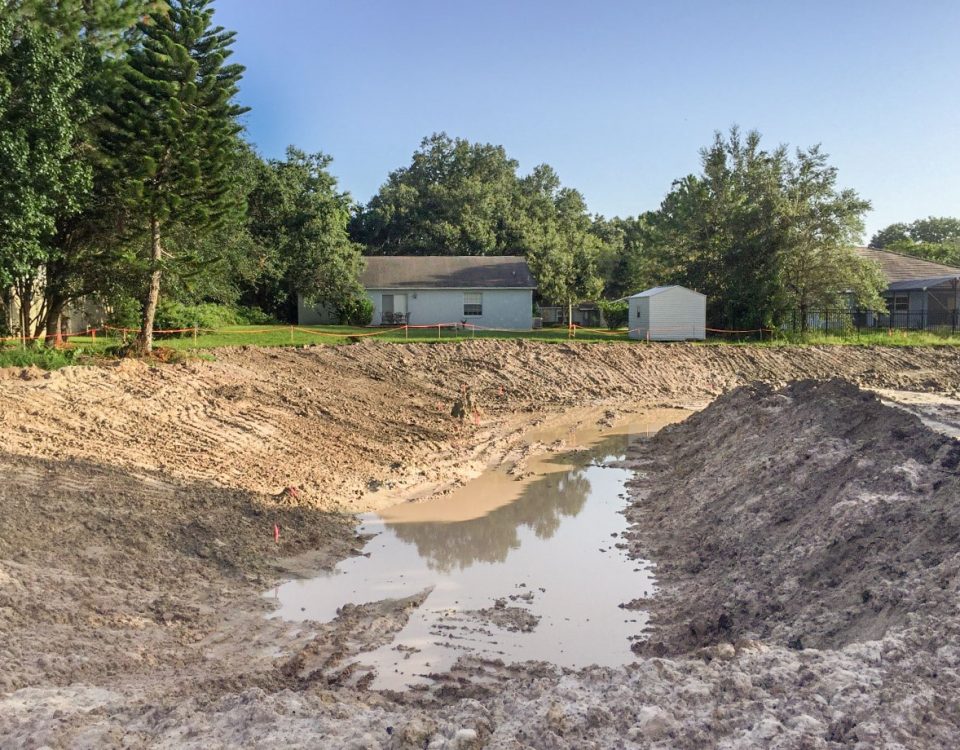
<point x="81" y="256"/>
<point x="461" y="198"/>
<point x="762" y="234"/>
<point x="934" y="238"/>
<point x="40" y="178"/>
<point x="174" y="133"/>
<point x="453" y="199"/>
<point x="819" y="227"/>
<point x="298" y="221"/>
<point x="628" y="263"/>
<point x="554" y="230"/>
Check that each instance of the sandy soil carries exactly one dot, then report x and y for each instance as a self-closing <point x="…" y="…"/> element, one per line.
<point x="139" y="506"/>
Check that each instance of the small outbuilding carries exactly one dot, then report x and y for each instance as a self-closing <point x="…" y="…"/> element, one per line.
<point x="667" y="313"/>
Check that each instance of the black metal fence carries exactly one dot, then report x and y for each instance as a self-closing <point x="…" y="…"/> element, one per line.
<point x="845" y="320"/>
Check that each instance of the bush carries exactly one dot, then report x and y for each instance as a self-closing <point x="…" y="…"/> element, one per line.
<point x="357" y="311"/>
<point x="123" y="312"/>
<point x="207" y="315"/>
<point x="615" y="313"/>
<point x="254" y="316"/>
<point x="43" y="357"/>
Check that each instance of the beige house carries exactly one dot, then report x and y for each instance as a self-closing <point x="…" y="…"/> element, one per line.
<point x="77" y="317"/>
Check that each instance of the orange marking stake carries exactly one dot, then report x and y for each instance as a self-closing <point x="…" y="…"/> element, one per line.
<point x="276" y="533"/>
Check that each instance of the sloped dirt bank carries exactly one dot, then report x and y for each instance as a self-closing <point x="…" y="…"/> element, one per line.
<point x="353" y="427"/>
<point x="829" y="518"/>
<point x="136" y="538"/>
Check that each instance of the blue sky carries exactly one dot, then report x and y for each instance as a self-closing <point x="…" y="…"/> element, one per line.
<point x="617" y="96"/>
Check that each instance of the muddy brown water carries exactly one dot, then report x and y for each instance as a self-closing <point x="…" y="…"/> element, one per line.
<point x="518" y="569"/>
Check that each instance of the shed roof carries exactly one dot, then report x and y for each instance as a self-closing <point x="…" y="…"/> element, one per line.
<point x="658" y="289"/>
<point x="899" y="267"/>
<point x="446" y="272"/>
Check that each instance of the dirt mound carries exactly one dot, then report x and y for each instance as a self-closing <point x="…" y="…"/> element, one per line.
<point x="811" y="516"/>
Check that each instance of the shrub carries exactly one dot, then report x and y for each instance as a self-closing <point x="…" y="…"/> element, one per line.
<point x="207" y="315"/>
<point x="46" y="358"/>
<point x="614" y="312"/>
<point x="356" y="311"/>
<point x="123" y="312"/>
<point x="254" y="316"/>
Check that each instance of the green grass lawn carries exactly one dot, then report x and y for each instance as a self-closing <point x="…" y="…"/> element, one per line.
<point x="285" y="335"/>
<point x="83" y="349"/>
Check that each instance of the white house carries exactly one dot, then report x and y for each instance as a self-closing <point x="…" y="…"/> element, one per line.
<point x="486" y="291"/>
<point x="667" y="313"/>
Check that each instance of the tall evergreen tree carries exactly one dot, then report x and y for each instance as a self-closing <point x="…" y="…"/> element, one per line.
<point x="174" y="134"/>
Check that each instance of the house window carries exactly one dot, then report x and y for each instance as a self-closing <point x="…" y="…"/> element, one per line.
<point x="898" y="303"/>
<point x="472" y="303"/>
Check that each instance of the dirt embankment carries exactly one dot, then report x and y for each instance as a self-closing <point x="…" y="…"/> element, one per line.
<point x="829" y="518"/>
<point x="137" y="535"/>
<point x="342" y="424"/>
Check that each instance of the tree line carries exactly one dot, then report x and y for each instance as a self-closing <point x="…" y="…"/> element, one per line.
<point x="126" y="177"/>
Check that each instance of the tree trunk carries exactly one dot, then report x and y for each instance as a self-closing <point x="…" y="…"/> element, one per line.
<point x="803" y="317"/>
<point x="54" y="314"/>
<point x="25" y="297"/>
<point x="145" y="339"/>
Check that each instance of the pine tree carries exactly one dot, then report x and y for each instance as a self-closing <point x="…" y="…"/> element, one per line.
<point x="174" y="133"/>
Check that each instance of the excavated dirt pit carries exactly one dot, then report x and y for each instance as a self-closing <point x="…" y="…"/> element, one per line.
<point x="805" y="534"/>
<point x="521" y="563"/>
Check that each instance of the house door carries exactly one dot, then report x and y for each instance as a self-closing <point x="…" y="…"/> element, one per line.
<point x="394" y="306"/>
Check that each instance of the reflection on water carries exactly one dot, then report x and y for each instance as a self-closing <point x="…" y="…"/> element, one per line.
<point x="490" y="538"/>
<point x="549" y="548"/>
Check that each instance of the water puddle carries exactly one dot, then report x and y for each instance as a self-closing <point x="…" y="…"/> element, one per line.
<point x="520" y="569"/>
<point x="939" y="413"/>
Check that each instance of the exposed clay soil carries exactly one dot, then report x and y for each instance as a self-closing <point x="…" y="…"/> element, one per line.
<point x="136" y="536"/>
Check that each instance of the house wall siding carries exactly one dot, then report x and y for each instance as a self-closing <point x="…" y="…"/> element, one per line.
<point x="502" y="308"/>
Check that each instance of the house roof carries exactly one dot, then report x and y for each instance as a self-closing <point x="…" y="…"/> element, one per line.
<point x="446" y="272"/>
<point x="658" y="289"/>
<point x="898" y="267"/>
<point x="934" y="281"/>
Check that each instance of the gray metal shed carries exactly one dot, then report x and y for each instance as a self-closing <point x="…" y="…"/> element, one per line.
<point x="667" y="313"/>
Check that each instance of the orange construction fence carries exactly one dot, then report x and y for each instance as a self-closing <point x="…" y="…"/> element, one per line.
<point x="472" y="327"/>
